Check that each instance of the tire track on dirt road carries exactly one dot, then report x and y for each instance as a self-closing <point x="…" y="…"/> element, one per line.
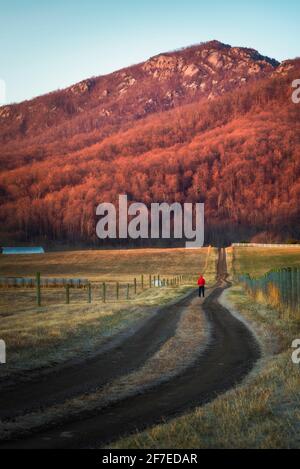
<point x="230" y="356"/>
<point x="88" y="376"/>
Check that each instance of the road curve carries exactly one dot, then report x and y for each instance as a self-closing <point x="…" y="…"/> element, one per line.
<point x="231" y="354"/>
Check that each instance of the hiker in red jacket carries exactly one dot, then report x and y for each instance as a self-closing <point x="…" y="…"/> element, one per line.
<point x="201" y="284"/>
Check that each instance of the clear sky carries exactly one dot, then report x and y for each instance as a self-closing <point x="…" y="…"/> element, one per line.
<point x="46" y="45"/>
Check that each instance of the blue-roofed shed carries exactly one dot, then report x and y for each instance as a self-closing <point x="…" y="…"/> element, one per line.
<point x="21" y="250"/>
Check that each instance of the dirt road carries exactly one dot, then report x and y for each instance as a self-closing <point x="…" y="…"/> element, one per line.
<point x="82" y="377"/>
<point x="230" y="355"/>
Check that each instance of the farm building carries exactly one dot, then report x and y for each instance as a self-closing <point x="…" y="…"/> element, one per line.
<point x="22" y="250"/>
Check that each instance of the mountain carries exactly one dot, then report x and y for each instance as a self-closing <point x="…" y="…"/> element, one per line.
<point x="208" y="123"/>
<point x="98" y="107"/>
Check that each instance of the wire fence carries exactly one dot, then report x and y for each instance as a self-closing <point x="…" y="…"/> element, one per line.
<point x="50" y="289"/>
<point x="68" y="290"/>
<point x="265" y="245"/>
<point x="280" y="288"/>
<point x="45" y="282"/>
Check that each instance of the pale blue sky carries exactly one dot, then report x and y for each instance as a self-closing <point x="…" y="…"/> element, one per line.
<point x="46" y="45"/>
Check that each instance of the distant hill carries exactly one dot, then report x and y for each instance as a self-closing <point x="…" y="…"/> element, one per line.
<point x="209" y="123"/>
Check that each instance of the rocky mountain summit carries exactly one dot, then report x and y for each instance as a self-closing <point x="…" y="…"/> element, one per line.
<point x="163" y="82"/>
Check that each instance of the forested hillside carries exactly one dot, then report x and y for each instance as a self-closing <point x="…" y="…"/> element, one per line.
<point x="209" y="124"/>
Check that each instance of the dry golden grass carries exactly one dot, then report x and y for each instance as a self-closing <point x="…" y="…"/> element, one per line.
<point x="114" y="265"/>
<point x="270" y="297"/>
<point x="258" y="261"/>
<point x="274" y="295"/>
<point x="39" y="337"/>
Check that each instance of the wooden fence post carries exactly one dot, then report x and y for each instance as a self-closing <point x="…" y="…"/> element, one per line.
<point x="294" y="290"/>
<point x="150" y="281"/>
<point x="117" y="290"/>
<point x="104" y="292"/>
<point x="67" y="294"/>
<point x="134" y="286"/>
<point x="38" y="289"/>
<point x="142" y="281"/>
<point x="298" y="288"/>
<point x="89" y="293"/>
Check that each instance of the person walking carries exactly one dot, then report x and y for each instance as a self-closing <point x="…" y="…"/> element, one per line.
<point x="201" y="285"/>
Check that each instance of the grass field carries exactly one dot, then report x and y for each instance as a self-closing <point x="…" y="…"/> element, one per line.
<point x="109" y="265"/>
<point x="258" y="261"/>
<point x="41" y="337"/>
<point x="279" y="289"/>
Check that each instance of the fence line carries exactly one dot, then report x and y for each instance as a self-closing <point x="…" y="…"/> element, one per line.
<point x="19" y="282"/>
<point x="102" y="290"/>
<point x="259" y="245"/>
<point x="99" y="290"/>
<point x="26" y="282"/>
<point x="279" y="287"/>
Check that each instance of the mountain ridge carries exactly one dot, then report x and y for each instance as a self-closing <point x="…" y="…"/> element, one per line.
<point x="238" y="152"/>
<point x="160" y="83"/>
